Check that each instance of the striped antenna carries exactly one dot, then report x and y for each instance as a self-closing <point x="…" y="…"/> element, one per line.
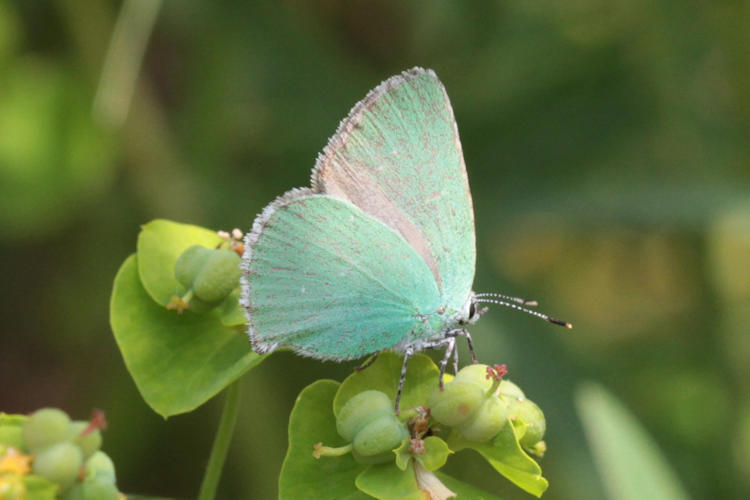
<point x="517" y="300"/>
<point x="523" y="309"/>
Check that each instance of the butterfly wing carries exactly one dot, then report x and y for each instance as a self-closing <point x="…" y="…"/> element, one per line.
<point x="329" y="281"/>
<point x="397" y="157"/>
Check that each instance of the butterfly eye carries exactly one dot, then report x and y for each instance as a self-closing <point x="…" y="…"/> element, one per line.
<point x="472" y="310"/>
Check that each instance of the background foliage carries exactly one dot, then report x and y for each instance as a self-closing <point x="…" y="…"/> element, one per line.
<point x="607" y="148"/>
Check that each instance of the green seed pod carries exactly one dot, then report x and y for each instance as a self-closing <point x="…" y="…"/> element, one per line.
<point x="360" y="410"/>
<point x="477" y="374"/>
<point x="190" y="263"/>
<point x="59" y="463"/>
<point x="99" y="489"/>
<point x="219" y="275"/>
<point x="486" y="421"/>
<point x="456" y="402"/>
<point x="45" y="428"/>
<point x="89" y="442"/>
<point x="100" y="466"/>
<point x="380" y="436"/>
<point x="12" y="435"/>
<point x="510" y="390"/>
<point x="529" y="413"/>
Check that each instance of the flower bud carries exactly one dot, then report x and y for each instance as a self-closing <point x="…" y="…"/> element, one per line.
<point x="89" y="442"/>
<point x="46" y="427"/>
<point x="190" y="263"/>
<point x="486" y="421"/>
<point x="59" y="463"/>
<point x="360" y="410"/>
<point x="510" y="390"/>
<point x="530" y="414"/>
<point x="100" y="466"/>
<point x="219" y="275"/>
<point x="380" y="437"/>
<point x="456" y="402"/>
<point x="210" y="275"/>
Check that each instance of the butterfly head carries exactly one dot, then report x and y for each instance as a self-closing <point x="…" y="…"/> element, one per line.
<point x="471" y="311"/>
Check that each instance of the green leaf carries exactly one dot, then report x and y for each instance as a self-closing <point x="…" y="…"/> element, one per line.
<point x="629" y="462"/>
<point x="403" y="454"/>
<point x="39" y="488"/>
<point x="388" y="482"/>
<point x="436" y="453"/>
<point x="232" y="313"/>
<point x="13" y="419"/>
<point x="160" y="243"/>
<point x="303" y="476"/>
<point x="178" y="361"/>
<point x="421" y="379"/>
<point x="505" y="454"/>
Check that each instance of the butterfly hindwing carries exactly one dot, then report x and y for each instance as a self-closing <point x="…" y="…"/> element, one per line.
<point x="331" y="282"/>
<point x="397" y="156"/>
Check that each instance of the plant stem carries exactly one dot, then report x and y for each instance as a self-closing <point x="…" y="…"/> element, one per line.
<point x="221" y="442"/>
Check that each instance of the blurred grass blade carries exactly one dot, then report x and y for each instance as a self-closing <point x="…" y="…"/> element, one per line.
<point x="629" y="462"/>
<point x="123" y="61"/>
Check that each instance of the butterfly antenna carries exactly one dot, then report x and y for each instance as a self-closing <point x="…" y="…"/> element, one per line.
<point x="523" y="309"/>
<point x="517" y="300"/>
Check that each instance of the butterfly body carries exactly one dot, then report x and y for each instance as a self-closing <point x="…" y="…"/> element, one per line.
<point x="380" y="252"/>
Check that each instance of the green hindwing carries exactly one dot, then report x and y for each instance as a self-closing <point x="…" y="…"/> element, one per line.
<point x="329" y="281"/>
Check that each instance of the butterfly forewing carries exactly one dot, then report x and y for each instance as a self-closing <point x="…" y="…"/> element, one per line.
<point x="397" y="156"/>
<point x="330" y="281"/>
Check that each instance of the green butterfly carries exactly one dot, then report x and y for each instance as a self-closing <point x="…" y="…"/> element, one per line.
<point x="379" y="254"/>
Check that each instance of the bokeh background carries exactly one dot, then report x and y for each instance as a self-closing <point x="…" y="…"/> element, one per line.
<point x="607" y="149"/>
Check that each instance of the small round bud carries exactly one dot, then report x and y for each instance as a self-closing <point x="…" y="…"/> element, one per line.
<point x="219" y="275"/>
<point x="59" y="463"/>
<point x="486" y="421"/>
<point x="456" y="402"/>
<point x="190" y="263"/>
<point x="99" y="465"/>
<point x="509" y="389"/>
<point x="380" y="436"/>
<point x="477" y="374"/>
<point x="98" y="489"/>
<point x="45" y="428"/>
<point x="360" y="410"/>
<point x="89" y="442"/>
<point x="529" y="413"/>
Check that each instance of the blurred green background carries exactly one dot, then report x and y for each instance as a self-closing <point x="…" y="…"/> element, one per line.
<point x="607" y="149"/>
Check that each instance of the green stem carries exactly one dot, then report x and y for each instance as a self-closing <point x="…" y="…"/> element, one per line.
<point x="221" y="442"/>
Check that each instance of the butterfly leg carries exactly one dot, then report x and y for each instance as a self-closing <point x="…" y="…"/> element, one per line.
<point x="450" y="348"/>
<point x="466" y="334"/>
<point x="407" y="354"/>
<point x="455" y="361"/>
<point x="367" y="363"/>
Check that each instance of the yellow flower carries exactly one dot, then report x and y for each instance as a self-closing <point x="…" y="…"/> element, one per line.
<point x="14" y="462"/>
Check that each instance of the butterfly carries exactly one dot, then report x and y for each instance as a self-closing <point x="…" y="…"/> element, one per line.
<point x="379" y="253"/>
